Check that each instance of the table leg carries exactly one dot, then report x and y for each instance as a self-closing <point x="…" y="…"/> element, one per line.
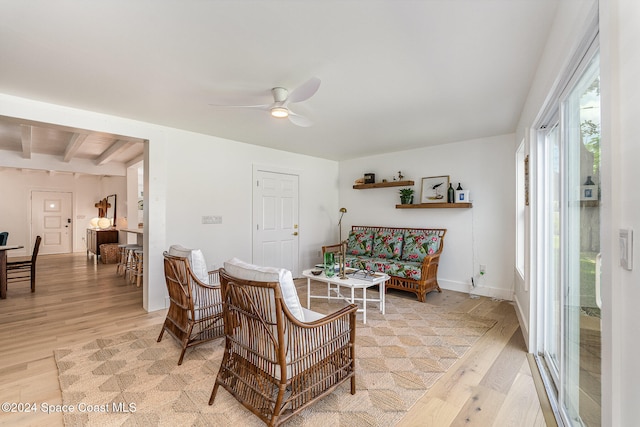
<point x="309" y="293"/>
<point x="364" y="305"/>
<point x="3" y="274"/>
<point x="382" y="297"/>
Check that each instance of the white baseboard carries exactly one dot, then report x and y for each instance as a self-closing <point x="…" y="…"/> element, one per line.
<point x="524" y="325"/>
<point x="485" y="291"/>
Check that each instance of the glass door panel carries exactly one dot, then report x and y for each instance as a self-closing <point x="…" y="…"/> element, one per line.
<point x="582" y="245"/>
<point x="570" y="254"/>
<point x="552" y="290"/>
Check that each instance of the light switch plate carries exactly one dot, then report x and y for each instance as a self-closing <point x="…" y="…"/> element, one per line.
<point x="626" y="248"/>
<point x="212" y="219"/>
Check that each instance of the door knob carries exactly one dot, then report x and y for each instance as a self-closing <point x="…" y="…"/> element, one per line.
<point x="295" y="233"/>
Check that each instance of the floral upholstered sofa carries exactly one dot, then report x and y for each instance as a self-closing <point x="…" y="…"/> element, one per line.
<point x="410" y="256"/>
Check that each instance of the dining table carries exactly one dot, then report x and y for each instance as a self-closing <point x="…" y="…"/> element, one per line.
<point x="3" y="268"/>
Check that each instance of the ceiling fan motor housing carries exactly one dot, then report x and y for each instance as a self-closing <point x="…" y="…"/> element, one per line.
<point x="280" y="94"/>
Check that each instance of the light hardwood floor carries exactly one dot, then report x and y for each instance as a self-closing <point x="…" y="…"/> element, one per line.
<point x="76" y="301"/>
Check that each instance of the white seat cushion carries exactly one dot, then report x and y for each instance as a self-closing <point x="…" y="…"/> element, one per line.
<point x="244" y="270"/>
<point x="196" y="261"/>
<point x="311" y="316"/>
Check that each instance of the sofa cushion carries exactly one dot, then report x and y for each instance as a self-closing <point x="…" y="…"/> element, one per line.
<point x="417" y="245"/>
<point x="196" y="261"/>
<point x="405" y="269"/>
<point x="244" y="270"/>
<point x="360" y="242"/>
<point x="387" y="244"/>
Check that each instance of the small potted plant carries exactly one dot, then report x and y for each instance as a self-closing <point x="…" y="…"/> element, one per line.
<point x="406" y="196"/>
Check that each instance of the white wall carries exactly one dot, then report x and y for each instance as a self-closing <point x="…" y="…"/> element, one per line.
<point x="214" y="176"/>
<point x="87" y="190"/>
<point x="620" y="68"/>
<point x="484" y="234"/>
<point x="188" y="175"/>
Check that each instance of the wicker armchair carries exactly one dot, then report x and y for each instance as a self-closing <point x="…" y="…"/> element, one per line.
<point x="195" y="310"/>
<point x="274" y="363"/>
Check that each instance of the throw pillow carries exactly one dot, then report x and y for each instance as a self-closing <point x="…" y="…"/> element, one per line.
<point x="244" y="270"/>
<point x="196" y="261"/>
<point x="360" y="242"/>
<point x="418" y="245"/>
<point x="387" y="244"/>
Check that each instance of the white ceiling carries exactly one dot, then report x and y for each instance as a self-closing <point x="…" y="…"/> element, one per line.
<point x="396" y="74"/>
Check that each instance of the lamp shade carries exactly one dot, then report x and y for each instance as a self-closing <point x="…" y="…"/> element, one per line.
<point x="94" y="222"/>
<point x="104" y="223"/>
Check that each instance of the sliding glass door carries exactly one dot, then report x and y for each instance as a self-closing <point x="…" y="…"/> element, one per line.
<point x="569" y="248"/>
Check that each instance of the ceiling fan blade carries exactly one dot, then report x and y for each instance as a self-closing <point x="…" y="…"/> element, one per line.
<point x="299" y="120"/>
<point x="305" y="91"/>
<point x="260" y="106"/>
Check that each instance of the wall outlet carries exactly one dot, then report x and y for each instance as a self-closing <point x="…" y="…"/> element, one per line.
<point x="483" y="269"/>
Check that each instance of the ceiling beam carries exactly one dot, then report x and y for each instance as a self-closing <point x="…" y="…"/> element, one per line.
<point x="26" y="141"/>
<point x="113" y="151"/>
<point x="134" y="161"/>
<point x="76" y="141"/>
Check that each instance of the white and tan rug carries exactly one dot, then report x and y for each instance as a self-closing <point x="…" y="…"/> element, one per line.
<point x="130" y="379"/>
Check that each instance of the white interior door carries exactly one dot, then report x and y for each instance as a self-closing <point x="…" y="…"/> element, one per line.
<point x="51" y="219"/>
<point x="275" y="217"/>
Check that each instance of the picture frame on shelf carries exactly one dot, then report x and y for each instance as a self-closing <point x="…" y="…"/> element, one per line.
<point x="588" y="192"/>
<point x="434" y="189"/>
<point x="462" y="196"/>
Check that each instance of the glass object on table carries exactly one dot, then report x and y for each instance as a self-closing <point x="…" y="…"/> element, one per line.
<point x="329" y="264"/>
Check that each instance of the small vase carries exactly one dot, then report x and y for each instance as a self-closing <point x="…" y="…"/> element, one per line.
<point x="329" y="264"/>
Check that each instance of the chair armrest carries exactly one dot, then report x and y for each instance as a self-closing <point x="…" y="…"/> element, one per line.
<point x="205" y="295"/>
<point x="331" y="248"/>
<point x="214" y="276"/>
<point x="331" y="317"/>
<point x="430" y="258"/>
<point x="310" y="342"/>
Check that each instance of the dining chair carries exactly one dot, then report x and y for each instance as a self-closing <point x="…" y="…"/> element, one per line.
<point x="23" y="270"/>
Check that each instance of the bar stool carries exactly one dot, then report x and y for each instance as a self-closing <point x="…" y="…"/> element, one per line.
<point x="123" y="258"/>
<point x="130" y="262"/>
<point x="138" y="267"/>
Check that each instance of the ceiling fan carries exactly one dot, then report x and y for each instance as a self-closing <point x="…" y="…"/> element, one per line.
<point x="279" y="108"/>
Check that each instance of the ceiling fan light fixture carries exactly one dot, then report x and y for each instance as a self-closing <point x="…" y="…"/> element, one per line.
<point x="280" y="112"/>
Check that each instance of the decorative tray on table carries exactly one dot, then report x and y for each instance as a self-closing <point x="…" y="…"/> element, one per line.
<point x="364" y="275"/>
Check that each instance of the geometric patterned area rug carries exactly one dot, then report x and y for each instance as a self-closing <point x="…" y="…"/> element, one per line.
<point x="132" y="380"/>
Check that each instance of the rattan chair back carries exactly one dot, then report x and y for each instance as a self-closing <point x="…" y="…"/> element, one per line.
<point x="273" y="363"/>
<point x="195" y="308"/>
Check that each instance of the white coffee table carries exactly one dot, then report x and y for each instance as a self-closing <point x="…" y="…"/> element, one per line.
<point x="335" y="283"/>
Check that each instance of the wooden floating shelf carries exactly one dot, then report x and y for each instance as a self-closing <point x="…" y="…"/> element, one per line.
<point x="383" y="185"/>
<point x="436" y="206"/>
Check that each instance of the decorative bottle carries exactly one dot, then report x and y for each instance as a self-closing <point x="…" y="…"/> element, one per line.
<point x="451" y="194"/>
